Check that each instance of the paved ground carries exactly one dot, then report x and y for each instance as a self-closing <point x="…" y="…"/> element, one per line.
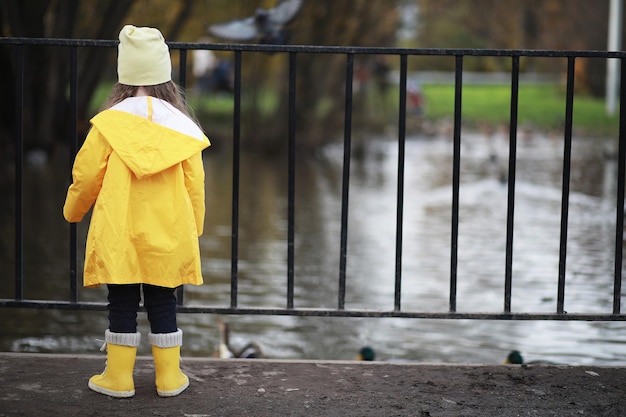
<point x="50" y="385"/>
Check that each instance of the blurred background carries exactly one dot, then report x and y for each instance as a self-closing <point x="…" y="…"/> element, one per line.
<point x="532" y="24"/>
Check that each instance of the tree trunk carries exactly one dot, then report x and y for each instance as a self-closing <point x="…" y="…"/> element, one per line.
<point x="46" y="69"/>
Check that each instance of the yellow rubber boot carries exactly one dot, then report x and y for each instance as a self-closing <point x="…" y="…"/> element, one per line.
<point x="117" y="378"/>
<point x="170" y="380"/>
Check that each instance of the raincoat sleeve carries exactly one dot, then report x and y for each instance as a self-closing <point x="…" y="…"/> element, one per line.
<point x="194" y="182"/>
<point x="87" y="175"/>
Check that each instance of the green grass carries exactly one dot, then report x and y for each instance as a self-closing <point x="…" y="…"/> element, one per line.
<point x="216" y="104"/>
<point x="222" y="103"/>
<point x="542" y="106"/>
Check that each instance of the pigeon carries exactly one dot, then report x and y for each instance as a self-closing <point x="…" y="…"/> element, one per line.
<point x="266" y="26"/>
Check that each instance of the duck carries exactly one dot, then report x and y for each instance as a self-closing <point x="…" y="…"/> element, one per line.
<point x="266" y="26"/>
<point x="251" y="350"/>
<point x="515" y="358"/>
<point x="366" y="353"/>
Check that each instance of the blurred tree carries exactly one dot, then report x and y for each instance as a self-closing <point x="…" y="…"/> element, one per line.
<point x="320" y="78"/>
<point x="46" y="109"/>
<point x="511" y="24"/>
<point x="541" y="24"/>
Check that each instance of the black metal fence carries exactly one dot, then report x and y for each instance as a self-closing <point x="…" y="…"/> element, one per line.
<point x="73" y="303"/>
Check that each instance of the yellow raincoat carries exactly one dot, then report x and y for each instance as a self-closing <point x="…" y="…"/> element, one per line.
<point x="141" y="164"/>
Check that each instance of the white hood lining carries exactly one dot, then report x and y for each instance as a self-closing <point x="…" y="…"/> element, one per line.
<point x="163" y="113"/>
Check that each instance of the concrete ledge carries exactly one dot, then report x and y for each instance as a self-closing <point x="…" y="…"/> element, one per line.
<point x="49" y="385"/>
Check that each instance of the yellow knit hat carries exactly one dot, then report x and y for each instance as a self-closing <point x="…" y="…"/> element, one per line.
<point x="143" y="57"/>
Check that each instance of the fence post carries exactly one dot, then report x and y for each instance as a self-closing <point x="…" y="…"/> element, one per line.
<point x="508" y="278"/>
<point x="567" y="157"/>
<point x="456" y="177"/>
<point x="346" y="181"/>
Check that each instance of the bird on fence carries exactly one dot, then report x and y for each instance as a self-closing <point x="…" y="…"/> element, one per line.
<point x="251" y="350"/>
<point x="515" y="358"/>
<point x="266" y="26"/>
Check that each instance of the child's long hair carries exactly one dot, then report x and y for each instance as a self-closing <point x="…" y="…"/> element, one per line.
<point x="168" y="91"/>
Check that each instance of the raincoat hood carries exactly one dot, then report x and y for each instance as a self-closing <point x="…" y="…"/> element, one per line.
<point x="162" y="135"/>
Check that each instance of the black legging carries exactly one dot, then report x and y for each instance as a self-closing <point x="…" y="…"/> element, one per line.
<point x="160" y="304"/>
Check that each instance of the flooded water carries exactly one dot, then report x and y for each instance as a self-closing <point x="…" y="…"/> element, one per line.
<point x="371" y="255"/>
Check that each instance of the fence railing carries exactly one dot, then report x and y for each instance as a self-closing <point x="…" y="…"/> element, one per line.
<point x="73" y="303"/>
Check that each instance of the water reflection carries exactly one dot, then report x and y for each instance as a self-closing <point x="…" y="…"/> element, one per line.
<point x="371" y="254"/>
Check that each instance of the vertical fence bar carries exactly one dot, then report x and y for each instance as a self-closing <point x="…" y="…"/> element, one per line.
<point x="567" y="159"/>
<point x="19" y="165"/>
<point x="621" y="171"/>
<point x="292" y="179"/>
<point x="456" y="178"/>
<point x="346" y="182"/>
<point x="400" y="192"/>
<point x="235" y="205"/>
<point x="73" y="150"/>
<point x="511" y="187"/>
<point x="182" y="81"/>
<point x="182" y="69"/>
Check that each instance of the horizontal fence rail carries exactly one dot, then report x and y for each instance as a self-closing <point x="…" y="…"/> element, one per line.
<point x="73" y="303"/>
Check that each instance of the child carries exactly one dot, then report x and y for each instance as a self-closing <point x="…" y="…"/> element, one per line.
<point x="141" y="168"/>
